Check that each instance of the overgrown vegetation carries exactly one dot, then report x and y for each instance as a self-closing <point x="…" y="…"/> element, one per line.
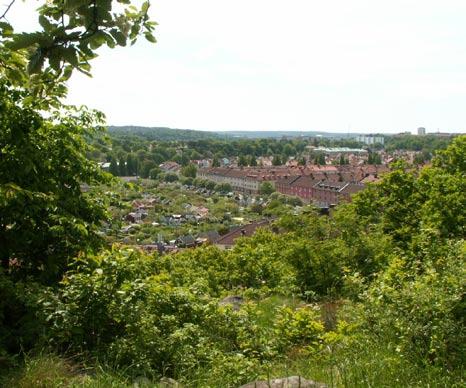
<point x="347" y="298"/>
<point x="371" y="295"/>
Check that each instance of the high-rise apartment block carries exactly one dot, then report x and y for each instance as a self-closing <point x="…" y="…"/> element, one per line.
<point x="370" y="139"/>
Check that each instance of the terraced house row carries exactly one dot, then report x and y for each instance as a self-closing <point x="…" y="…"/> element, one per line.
<point x="321" y="192"/>
<point x="247" y="180"/>
<point x="324" y="185"/>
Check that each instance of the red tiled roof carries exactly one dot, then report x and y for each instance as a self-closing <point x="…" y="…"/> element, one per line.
<point x="241" y="231"/>
<point x="304" y="181"/>
<point x="351" y="188"/>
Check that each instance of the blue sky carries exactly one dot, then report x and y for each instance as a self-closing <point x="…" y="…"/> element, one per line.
<point x="334" y="65"/>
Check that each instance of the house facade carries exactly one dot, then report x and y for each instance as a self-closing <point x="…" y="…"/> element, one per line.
<point x="248" y="179"/>
<point x="320" y="192"/>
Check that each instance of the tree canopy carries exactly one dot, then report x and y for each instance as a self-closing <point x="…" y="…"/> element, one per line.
<point x="70" y="33"/>
<point x="45" y="215"/>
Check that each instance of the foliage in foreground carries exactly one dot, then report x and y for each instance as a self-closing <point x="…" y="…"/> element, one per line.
<point x="383" y="308"/>
<point x="45" y="218"/>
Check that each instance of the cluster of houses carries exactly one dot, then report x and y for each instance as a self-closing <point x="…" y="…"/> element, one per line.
<point x="139" y="213"/>
<point x="329" y="184"/>
<point x="227" y="241"/>
<point x="140" y="210"/>
<point x="192" y="214"/>
<point x="181" y="242"/>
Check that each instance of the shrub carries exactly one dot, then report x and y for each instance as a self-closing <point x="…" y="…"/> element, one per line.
<point x="417" y="309"/>
<point x="301" y="326"/>
<point x="124" y="309"/>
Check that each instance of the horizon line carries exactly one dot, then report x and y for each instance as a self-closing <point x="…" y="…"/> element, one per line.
<point x="362" y="132"/>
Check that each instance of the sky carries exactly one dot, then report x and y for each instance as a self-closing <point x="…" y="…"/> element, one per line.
<point x="335" y="65"/>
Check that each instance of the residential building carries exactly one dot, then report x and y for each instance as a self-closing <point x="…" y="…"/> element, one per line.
<point x="227" y="241"/>
<point x="370" y="139"/>
<point x="170" y="167"/>
<point x="319" y="192"/>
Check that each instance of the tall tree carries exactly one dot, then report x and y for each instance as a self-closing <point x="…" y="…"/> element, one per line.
<point x="45" y="218"/>
<point x="320" y="159"/>
<point x="266" y="188"/>
<point x="215" y="162"/>
<point x="114" y="167"/>
<point x="130" y="165"/>
<point x="122" y="167"/>
<point x="277" y="161"/>
<point x="242" y="161"/>
<point x="146" y="167"/>
<point x="189" y="171"/>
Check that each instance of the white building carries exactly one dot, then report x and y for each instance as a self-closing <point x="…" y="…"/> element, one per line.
<point x="370" y="139"/>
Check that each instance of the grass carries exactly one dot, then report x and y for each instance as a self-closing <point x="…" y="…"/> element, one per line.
<point x="50" y="371"/>
<point x="366" y="365"/>
<point x="363" y="362"/>
<point x="367" y="362"/>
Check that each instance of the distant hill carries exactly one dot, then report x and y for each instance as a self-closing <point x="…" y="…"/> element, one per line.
<point x="167" y="134"/>
<point x="163" y="133"/>
<point x="280" y="134"/>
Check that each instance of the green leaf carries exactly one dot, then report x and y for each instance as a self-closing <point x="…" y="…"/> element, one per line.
<point x="36" y="62"/>
<point x="69" y="54"/>
<point x="24" y="40"/>
<point x="145" y="7"/>
<point x="105" y="4"/>
<point x="150" y="37"/>
<point x="6" y="28"/>
<point x="45" y="23"/>
<point x="110" y="41"/>
<point x="119" y="37"/>
<point x="55" y="59"/>
<point x="97" y="40"/>
<point x="71" y="5"/>
<point x="16" y="75"/>
<point x="81" y="70"/>
<point x="68" y="70"/>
